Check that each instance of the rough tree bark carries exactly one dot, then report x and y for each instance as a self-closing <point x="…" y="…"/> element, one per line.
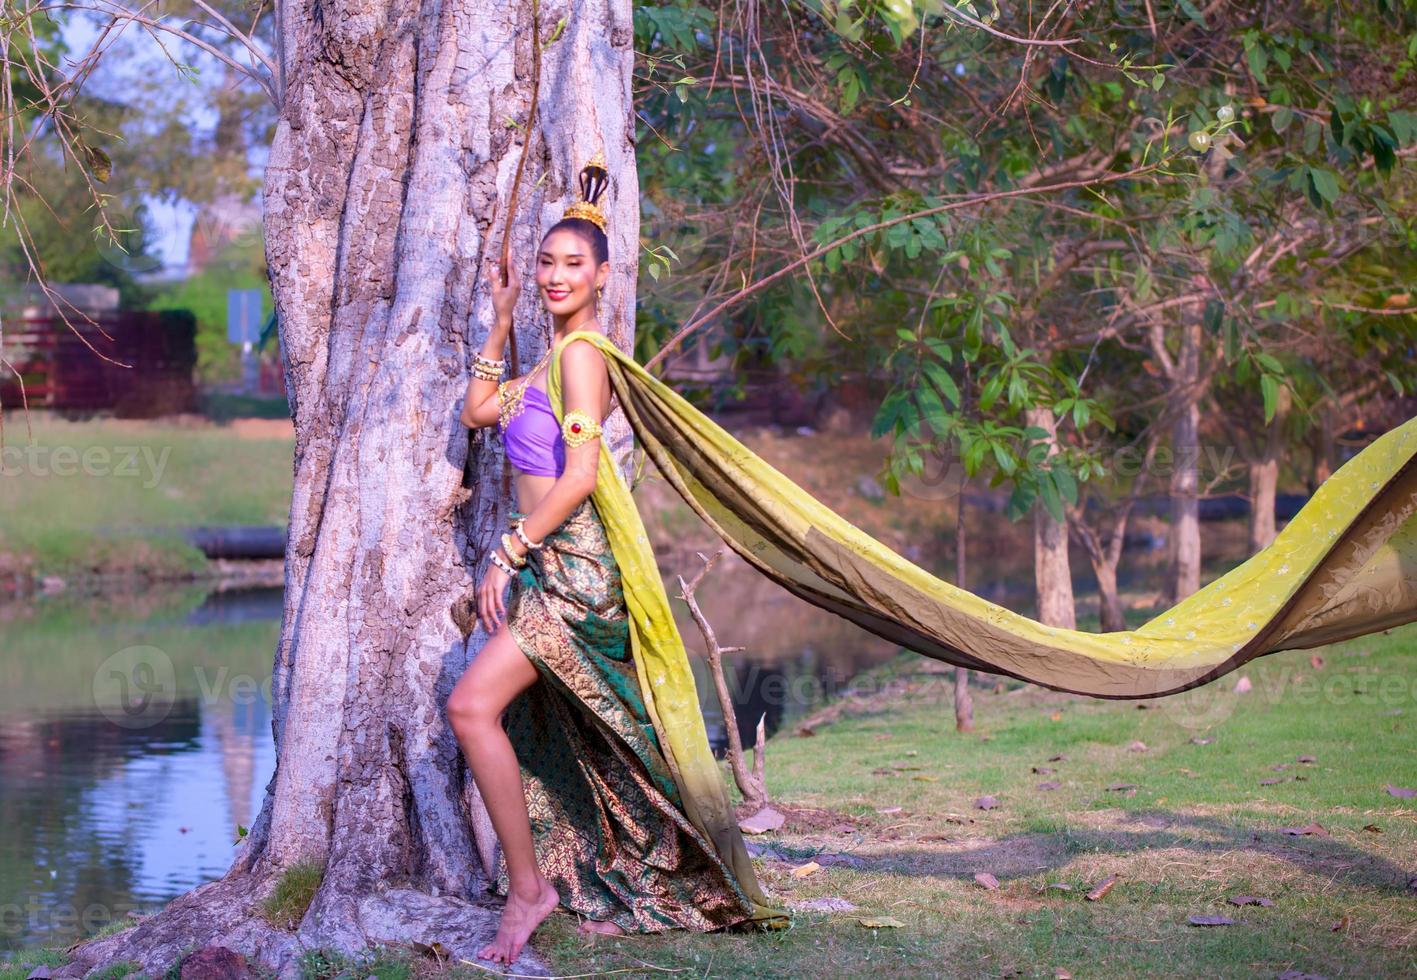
<point x="397" y="144"/>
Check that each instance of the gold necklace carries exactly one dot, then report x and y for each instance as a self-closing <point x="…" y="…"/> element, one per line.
<point x="510" y="401"/>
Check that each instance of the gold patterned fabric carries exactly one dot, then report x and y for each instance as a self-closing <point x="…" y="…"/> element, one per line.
<point x="606" y="815"/>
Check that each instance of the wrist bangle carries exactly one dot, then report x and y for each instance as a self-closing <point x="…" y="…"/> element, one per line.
<point x="521" y="534"/>
<point x="501" y="563"/>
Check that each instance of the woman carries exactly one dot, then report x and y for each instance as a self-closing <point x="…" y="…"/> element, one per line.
<point x="1344" y="566"/>
<point x="587" y="808"/>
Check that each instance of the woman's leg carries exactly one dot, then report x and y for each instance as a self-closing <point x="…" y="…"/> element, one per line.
<point x="497" y="675"/>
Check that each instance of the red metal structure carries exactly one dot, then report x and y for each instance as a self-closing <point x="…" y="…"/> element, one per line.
<point x="61" y="373"/>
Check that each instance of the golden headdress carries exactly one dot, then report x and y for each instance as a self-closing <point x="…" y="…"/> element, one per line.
<point x="593" y="179"/>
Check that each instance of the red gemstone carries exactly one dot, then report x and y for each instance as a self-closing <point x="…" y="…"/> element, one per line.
<point x="575" y="427"/>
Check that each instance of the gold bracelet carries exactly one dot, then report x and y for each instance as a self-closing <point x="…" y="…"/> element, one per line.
<point x="578" y="428"/>
<point x="517" y="560"/>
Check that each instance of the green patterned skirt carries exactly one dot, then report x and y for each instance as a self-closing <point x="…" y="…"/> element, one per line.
<point x="607" y="821"/>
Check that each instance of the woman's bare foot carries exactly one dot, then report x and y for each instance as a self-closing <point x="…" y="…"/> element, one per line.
<point x="520" y="917"/>
<point x="596" y="925"/>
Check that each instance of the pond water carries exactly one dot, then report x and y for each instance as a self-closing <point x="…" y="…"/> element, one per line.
<point x="106" y="809"/>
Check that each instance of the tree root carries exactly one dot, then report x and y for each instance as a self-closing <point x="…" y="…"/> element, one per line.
<point x="202" y="928"/>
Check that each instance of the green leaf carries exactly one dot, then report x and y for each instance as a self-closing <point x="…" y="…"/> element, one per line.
<point x="1325" y="183"/>
<point x="944" y="382"/>
<point x="1270" y="389"/>
<point x="1048" y="493"/>
<point x="1281" y="119"/>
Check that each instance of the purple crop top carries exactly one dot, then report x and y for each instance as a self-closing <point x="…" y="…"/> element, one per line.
<point x="533" y="439"/>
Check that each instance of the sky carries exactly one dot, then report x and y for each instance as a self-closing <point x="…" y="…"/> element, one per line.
<point x="136" y="53"/>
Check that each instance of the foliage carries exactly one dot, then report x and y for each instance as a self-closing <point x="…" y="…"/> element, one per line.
<point x="1274" y="204"/>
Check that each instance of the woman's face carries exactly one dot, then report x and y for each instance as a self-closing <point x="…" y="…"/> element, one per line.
<point x="566" y="272"/>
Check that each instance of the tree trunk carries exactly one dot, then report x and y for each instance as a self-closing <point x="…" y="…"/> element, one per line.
<point x="1052" y="574"/>
<point x="386" y="187"/>
<point x="1264" y="477"/>
<point x="1185" y="571"/>
<point x="964" y="701"/>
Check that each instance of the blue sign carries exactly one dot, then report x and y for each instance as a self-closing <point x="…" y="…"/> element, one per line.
<point x="243" y="315"/>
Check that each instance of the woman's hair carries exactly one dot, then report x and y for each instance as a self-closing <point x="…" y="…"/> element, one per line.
<point x="590" y="233"/>
<point x="593" y="180"/>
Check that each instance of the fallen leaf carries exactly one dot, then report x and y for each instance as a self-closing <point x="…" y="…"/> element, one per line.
<point x="1056" y="716"/>
<point x="825" y="905"/>
<point x="985" y="803"/>
<point x="1210" y="920"/>
<point x="888" y="809"/>
<point x="1372" y="828"/>
<point x="804" y="732"/>
<point x="1316" y="662"/>
<point x="1271" y="782"/>
<point x="761" y="822"/>
<point x="1189" y="773"/>
<point x="1061" y="886"/>
<point x="1307" y="759"/>
<point x="1102" y="888"/>
<point x="1250" y="900"/>
<point x="1201" y="741"/>
<point x="1049" y="785"/>
<point x="1313" y="828"/>
<point x="1120" y="787"/>
<point x="803" y="870"/>
<point x="1137" y="746"/>
<point x="1401" y="791"/>
<point x="1340" y="925"/>
<point x="912" y="752"/>
<point x="987" y="880"/>
<point x="881" y="922"/>
<point x="1061" y="974"/>
<point x="1279" y="768"/>
<point x="1057" y="758"/>
<point x="926" y="779"/>
<point x="1042" y="770"/>
<point x="1243" y="685"/>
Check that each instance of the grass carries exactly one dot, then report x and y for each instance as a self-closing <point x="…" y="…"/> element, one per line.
<point x="287" y="903"/>
<point x="1198" y="828"/>
<point x="106" y="497"/>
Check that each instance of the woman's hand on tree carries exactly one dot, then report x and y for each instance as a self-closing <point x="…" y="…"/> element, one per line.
<point x="504" y="298"/>
<point x="490" y="607"/>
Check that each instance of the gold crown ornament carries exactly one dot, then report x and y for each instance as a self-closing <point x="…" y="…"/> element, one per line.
<point x="593" y="179"/>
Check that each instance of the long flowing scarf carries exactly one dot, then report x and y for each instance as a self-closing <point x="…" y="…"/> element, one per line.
<point x="1344" y="566"/>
